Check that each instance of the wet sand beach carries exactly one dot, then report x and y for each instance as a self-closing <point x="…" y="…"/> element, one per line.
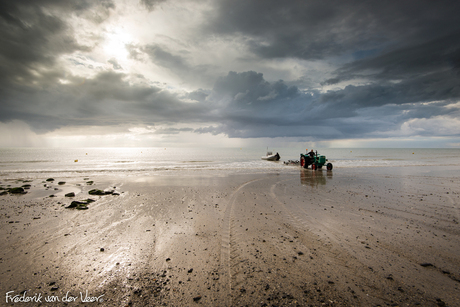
<point x="349" y="237"/>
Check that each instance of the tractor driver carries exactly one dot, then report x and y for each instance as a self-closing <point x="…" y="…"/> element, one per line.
<point x="312" y="153"/>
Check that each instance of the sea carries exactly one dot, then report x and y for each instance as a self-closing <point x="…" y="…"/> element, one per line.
<point x="35" y="163"/>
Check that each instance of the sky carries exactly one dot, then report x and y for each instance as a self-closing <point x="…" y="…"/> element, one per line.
<point x="229" y="73"/>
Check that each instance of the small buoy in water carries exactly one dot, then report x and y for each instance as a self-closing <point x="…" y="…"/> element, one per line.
<point x="76" y="160"/>
<point x="86" y="153"/>
<point x="412" y="153"/>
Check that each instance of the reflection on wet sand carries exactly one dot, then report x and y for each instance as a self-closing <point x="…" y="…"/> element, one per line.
<point x="314" y="178"/>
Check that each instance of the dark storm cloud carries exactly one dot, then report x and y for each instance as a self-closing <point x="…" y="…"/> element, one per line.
<point x="250" y="106"/>
<point x="395" y="62"/>
<point x="253" y="107"/>
<point x="319" y="29"/>
<point x="33" y="33"/>
<point x="164" y="58"/>
<point x="431" y="57"/>
<point x="198" y="95"/>
<point x="407" y="53"/>
<point x="151" y="4"/>
<point x="107" y="99"/>
<point x="250" y="88"/>
<point x="243" y="102"/>
<point x="211" y="130"/>
<point x="247" y="99"/>
<point x="418" y="74"/>
<point x="175" y="62"/>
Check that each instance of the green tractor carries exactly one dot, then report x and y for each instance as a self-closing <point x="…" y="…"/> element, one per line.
<point x="316" y="161"/>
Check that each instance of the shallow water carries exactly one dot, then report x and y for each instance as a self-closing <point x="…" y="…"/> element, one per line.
<point x="34" y="162"/>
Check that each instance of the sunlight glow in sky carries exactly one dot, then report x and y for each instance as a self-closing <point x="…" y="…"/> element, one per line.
<point x="115" y="42"/>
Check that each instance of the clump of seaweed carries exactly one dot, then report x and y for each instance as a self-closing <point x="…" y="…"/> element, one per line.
<point x="100" y="192"/>
<point x="80" y="205"/>
<point x="18" y="190"/>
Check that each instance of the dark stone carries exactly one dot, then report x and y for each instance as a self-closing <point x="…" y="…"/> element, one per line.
<point x="18" y="190"/>
<point x="197" y="298"/>
<point x="445" y="272"/>
<point x="80" y="205"/>
<point x="50" y="179"/>
<point x="426" y="264"/>
<point x="439" y="302"/>
<point x="74" y="204"/>
<point x="137" y="291"/>
<point x="99" y="192"/>
<point x="102" y="249"/>
<point x="96" y="192"/>
<point x="71" y="194"/>
<point x="61" y="182"/>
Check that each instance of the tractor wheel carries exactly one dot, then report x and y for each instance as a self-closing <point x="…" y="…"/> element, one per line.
<point x="313" y="166"/>
<point x="329" y="166"/>
<point x="302" y="162"/>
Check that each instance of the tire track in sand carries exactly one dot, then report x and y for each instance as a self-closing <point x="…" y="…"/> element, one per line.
<point x="227" y="242"/>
